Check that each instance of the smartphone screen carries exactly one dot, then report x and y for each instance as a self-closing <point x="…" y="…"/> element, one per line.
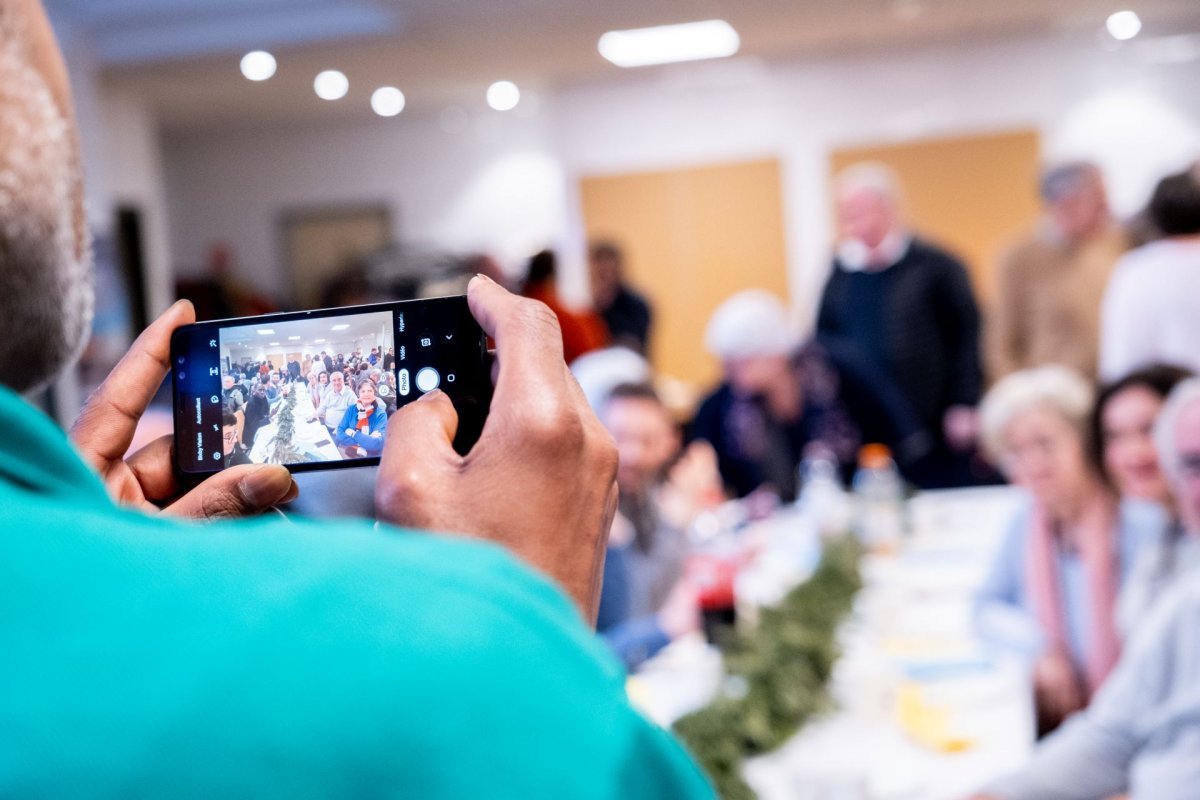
<point x="316" y="389"/>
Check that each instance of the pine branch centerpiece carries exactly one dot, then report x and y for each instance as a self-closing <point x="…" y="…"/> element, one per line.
<point x="281" y="447"/>
<point x="776" y="673"/>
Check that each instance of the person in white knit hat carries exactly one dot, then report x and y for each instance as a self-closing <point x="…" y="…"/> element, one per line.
<point x="780" y="402"/>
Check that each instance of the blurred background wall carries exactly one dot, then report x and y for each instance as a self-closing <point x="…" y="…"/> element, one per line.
<point x="173" y="132"/>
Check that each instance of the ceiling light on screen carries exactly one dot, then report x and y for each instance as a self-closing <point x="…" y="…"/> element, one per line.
<point x="293" y="338"/>
<point x="1123" y="25"/>
<point x="331" y="85"/>
<point x="341" y="327"/>
<point x="387" y="101"/>
<point x="272" y="344"/>
<point x="503" y="95"/>
<point x="265" y="331"/>
<point x="665" y="44"/>
<point x="258" y="65"/>
<point x="318" y="341"/>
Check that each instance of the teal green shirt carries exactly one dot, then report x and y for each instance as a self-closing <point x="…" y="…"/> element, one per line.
<point x="143" y="656"/>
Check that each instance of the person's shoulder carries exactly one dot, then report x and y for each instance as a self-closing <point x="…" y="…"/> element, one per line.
<point x="934" y="256"/>
<point x="1143" y="520"/>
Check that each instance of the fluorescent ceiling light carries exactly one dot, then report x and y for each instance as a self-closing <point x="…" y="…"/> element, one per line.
<point x="691" y="41"/>
<point x="272" y="344"/>
<point x="341" y="327"/>
<point x="265" y="331"/>
<point x="293" y="338"/>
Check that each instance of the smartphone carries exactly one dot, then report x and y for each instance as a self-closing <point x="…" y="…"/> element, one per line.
<point x="242" y="394"/>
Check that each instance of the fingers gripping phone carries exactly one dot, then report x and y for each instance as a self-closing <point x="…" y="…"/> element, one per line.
<point x="314" y="390"/>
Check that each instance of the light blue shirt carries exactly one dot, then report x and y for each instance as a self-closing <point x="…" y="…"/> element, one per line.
<point x="1141" y="734"/>
<point x="1004" y="612"/>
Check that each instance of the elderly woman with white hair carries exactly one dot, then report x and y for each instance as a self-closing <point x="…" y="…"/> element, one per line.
<point x="780" y="402"/>
<point x="1141" y="734"/>
<point x="1051" y="595"/>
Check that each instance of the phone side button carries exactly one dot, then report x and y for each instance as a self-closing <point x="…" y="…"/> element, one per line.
<point x="402" y="383"/>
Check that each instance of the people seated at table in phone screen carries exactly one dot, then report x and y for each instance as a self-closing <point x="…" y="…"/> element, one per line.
<point x="335" y="400"/>
<point x="779" y="401"/>
<point x="232" y="393"/>
<point x="258" y="414"/>
<point x="1141" y="732"/>
<point x="643" y="605"/>
<point x="1052" y="591"/>
<point x="1122" y="432"/>
<point x="363" y="424"/>
<point x="234" y="452"/>
<point x="319" y="388"/>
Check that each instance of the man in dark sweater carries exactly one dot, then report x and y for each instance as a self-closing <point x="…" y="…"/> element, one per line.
<point x="625" y="312"/>
<point x="907" y="308"/>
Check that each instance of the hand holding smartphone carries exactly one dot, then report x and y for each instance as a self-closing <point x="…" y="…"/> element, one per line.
<point x="314" y="390"/>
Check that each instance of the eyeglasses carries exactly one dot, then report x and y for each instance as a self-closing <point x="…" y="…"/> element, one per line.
<point x="1189" y="465"/>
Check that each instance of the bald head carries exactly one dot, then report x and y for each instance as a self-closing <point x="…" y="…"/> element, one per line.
<point x="45" y="276"/>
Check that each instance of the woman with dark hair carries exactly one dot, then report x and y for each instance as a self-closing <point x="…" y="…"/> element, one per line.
<point x="1149" y="312"/>
<point x="318" y="388"/>
<point x="1123" y="447"/>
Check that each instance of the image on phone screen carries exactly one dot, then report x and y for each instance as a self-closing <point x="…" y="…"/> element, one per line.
<point x="316" y="389"/>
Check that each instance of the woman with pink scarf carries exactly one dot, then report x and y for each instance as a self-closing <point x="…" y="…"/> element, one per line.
<point x="1052" y="591"/>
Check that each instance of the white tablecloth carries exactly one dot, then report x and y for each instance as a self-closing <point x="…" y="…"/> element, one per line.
<point x="910" y="636"/>
<point x="314" y="441"/>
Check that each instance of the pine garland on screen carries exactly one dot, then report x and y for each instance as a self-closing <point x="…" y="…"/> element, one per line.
<point x="284" y="451"/>
<point x="776" y="673"/>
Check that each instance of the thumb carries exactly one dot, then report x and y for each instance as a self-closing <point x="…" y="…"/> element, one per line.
<point x="418" y="452"/>
<point x="237" y="492"/>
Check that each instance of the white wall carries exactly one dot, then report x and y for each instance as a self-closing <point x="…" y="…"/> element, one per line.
<point x="497" y="187"/>
<point x="510" y="185"/>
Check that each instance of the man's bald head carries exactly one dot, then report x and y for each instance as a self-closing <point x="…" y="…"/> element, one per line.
<point x="45" y="275"/>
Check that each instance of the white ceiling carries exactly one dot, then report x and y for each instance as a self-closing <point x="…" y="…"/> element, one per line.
<point x="364" y="329"/>
<point x="183" y="54"/>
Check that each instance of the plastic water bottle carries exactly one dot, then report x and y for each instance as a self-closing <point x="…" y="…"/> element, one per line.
<point x="878" y="499"/>
<point x="822" y="498"/>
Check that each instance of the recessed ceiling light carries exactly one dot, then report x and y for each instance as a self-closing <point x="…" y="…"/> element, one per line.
<point x="341" y="327"/>
<point x="503" y="95"/>
<point x="265" y="331"/>
<point x="387" y="101"/>
<point x="318" y="341"/>
<point x="258" y="65"/>
<point x="1123" y="25"/>
<point x="272" y="344"/>
<point x="293" y="338"/>
<point x="665" y="44"/>
<point x="331" y="85"/>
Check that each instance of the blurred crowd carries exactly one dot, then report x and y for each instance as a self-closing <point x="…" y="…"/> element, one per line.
<point x="1075" y="385"/>
<point x="352" y="396"/>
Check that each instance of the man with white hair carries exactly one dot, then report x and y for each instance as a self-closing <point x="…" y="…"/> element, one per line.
<point x="780" y="402"/>
<point x="1051" y="284"/>
<point x="906" y="308"/>
<point x="1141" y="734"/>
<point x="149" y="656"/>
